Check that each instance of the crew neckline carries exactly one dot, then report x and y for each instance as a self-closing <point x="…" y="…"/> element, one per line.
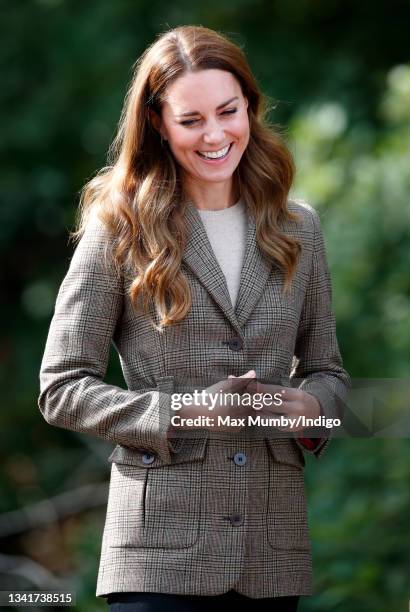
<point x="238" y="206"/>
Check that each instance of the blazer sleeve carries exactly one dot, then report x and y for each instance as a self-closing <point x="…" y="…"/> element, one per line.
<point x="319" y="361"/>
<point x="73" y="394"/>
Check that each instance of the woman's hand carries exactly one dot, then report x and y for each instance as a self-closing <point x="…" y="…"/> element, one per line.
<point x="295" y="403"/>
<point x="224" y="405"/>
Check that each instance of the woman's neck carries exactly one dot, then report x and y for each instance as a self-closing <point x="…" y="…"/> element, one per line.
<point x="212" y="196"/>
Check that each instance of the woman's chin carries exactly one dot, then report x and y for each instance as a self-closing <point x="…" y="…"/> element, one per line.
<point x="215" y="175"/>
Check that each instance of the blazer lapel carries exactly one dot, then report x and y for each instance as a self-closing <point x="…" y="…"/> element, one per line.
<point x="199" y="256"/>
<point x="254" y="276"/>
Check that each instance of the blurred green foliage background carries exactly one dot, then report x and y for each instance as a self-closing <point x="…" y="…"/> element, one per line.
<point x="338" y="75"/>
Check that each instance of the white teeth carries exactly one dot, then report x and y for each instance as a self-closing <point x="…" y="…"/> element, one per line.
<point x="215" y="154"/>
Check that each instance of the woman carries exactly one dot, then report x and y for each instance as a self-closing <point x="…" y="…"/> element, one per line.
<point x="206" y="276"/>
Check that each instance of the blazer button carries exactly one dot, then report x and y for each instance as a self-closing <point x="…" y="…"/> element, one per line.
<point x="148" y="458"/>
<point x="239" y="458"/>
<point x="236" y="520"/>
<point x="235" y="343"/>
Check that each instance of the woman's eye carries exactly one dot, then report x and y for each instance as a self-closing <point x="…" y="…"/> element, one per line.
<point x="188" y="122"/>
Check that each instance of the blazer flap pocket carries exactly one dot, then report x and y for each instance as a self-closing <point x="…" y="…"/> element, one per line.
<point x="285" y="450"/>
<point x="187" y="449"/>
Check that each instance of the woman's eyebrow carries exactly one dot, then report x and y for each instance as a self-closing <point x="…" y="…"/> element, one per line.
<point x="189" y="113"/>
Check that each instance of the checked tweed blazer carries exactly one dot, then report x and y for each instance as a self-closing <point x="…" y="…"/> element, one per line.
<point x="199" y="513"/>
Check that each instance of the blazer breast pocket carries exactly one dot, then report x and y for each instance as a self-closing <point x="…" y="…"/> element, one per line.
<point x="154" y="504"/>
<point x="287" y="521"/>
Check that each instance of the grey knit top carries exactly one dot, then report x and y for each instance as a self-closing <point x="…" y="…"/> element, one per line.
<point x="226" y="231"/>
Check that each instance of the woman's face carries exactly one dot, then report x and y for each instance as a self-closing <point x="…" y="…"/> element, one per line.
<point x="205" y="120"/>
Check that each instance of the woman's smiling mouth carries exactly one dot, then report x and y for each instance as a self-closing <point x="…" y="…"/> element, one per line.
<point x="215" y="156"/>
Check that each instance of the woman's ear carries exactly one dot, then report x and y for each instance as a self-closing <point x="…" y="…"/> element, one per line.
<point x="155" y="120"/>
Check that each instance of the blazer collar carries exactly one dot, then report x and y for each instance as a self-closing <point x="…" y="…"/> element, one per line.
<point x="200" y="258"/>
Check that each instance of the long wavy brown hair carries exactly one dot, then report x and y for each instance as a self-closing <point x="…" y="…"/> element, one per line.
<point x="140" y="197"/>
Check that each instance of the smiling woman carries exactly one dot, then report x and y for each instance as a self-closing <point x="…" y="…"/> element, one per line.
<point x="210" y="144"/>
<point x="209" y="281"/>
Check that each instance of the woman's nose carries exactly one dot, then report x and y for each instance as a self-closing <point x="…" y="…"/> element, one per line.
<point x="214" y="134"/>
